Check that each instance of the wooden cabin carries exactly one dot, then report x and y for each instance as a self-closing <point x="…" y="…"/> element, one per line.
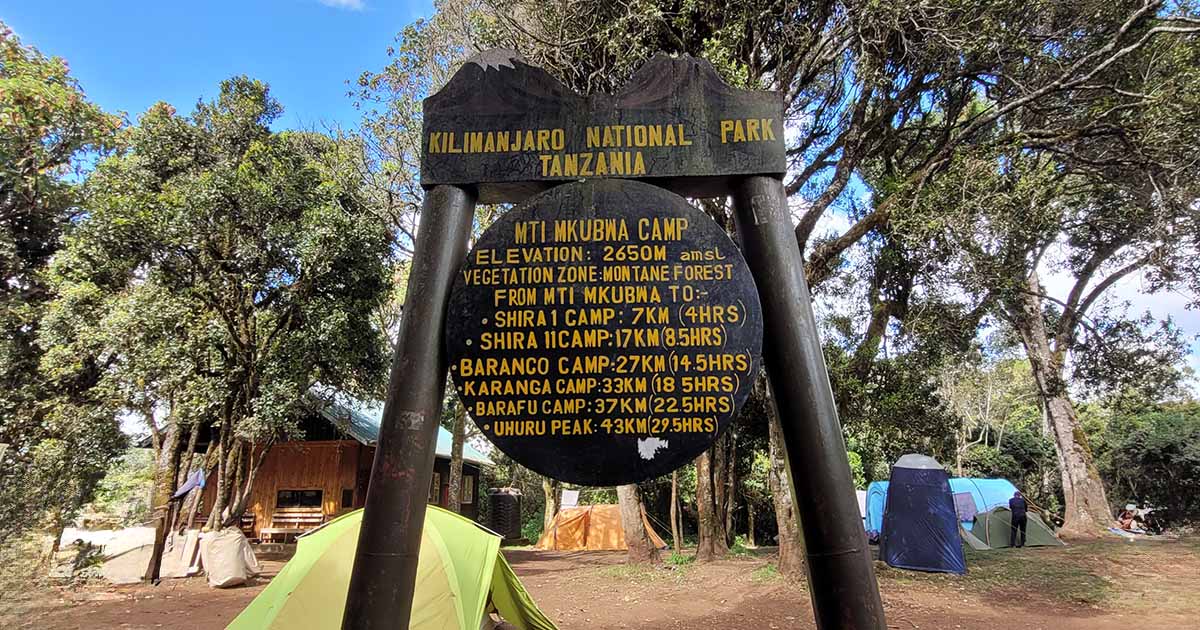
<point x="306" y="482"/>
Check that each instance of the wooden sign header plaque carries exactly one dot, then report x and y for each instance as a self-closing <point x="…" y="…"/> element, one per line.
<point x="511" y="129"/>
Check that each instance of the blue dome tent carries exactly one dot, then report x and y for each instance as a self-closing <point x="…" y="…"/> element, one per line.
<point x="986" y="494"/>
<point x="920" y="525"/>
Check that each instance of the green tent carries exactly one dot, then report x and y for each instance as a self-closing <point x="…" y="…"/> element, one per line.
<point x="971" y="540"/>
<point x="461" y="576"/>
<point x="994" y="529"/>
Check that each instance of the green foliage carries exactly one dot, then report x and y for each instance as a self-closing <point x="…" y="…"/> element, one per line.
<point x="857" y="471"/>
<point x="891" y="411"/>
<point x="766" y="573"/>
<point x="1154" y="457"/>
<point x="59" y="442"/>
<point x="1132" y="354"/>
<point x="679" y="559"/>
<point x="687" y="484"/>
<point x="215" y="249"/>
<point x="58" y="473"/>
<point x="1000" y="431"/>
<point x="219" y="272"/>
<point x="597" y="496"/>
<point x="1092" y="207"/>
<point x="532" y="526"/>
<point x="1022" y="452"/>
<point x="1091" y="188"/>
<point x="124" y="492"/>
<point x="739" y="549"/>
<point x="756" y="486"/>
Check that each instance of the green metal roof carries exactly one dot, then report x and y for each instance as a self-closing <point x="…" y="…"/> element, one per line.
<point x="361" y="420"/>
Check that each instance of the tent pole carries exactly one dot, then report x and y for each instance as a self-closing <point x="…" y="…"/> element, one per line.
<point x="845" y="594"/>
<point x="389" y="542"/>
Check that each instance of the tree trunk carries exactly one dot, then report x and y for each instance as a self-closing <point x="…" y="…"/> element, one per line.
<point x="641" y="548"/>
<point x="237" y="464"/>
<point x="185" y="469"/>
<point x="750" y="525"/>
<point x="59" y="526"/>
<point x="155" y="433"/>
<point x="248" y="470"/>
<point x="553" y="500"/>
<point x="1085" y="503"/>
<point x="209" y="465"/>
<point x="710" y="543"/>
<point x="791" y="545"/>
<point x="458" y="431"/>
<point x="727" y="497"/>
<point x="675" y="513"/>
<point x="186" y="450"/>
<point x="225" y="437"/>
<point x="192" y="508"/>
<point x="960" y="445"/>
<point x="165" y="470"/>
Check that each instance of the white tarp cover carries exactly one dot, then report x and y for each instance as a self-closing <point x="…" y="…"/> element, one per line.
<point x="227" y="557"/>
<point x="114" y="541"/>
<point x="126" y="552"/>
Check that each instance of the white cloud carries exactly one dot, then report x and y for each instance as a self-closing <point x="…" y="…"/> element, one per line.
<point x="349" y="5"/>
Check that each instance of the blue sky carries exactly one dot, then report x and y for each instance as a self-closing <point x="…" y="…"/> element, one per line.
<point x="129" y="55"/>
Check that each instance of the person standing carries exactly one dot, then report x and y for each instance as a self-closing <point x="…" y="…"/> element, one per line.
<point x="1018" y="507"/>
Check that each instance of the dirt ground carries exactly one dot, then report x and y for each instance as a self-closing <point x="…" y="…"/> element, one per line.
<point x="1100" y="585"/>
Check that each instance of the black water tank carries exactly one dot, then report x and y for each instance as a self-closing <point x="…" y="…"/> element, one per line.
<point x="505" y="515"/>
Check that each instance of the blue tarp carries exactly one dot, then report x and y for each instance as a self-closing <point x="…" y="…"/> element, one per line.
<point x="194" y="480"/>
<point x="920" y="529"/>
<point x="988" y="493"/>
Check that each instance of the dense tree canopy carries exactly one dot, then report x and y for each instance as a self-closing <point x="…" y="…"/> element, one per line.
<point x="1151" y="456"/>
<point x="1072" y="117"/>
<point x="1094" y="188"/>
<point x="59" y="438"/>
<point x="221" y="272"/>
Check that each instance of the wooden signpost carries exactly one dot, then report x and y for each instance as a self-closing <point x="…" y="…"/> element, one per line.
<point x="605" y="331"/>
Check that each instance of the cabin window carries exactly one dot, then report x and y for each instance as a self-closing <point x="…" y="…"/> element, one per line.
<point x="435" y="491"/>
<point x="468" y="489"/>
<point x="298" y="498"/>
<point x="347" y="497"/>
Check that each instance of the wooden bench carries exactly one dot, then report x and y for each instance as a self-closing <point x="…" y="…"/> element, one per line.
<point x="292" y="522"/>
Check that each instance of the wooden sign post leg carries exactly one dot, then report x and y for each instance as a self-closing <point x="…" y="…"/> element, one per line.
<point x="842" y="581"/>
<point x="385" y="565"/>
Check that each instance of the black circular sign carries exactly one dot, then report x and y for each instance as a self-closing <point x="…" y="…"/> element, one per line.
<point x="605" y="332"/>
